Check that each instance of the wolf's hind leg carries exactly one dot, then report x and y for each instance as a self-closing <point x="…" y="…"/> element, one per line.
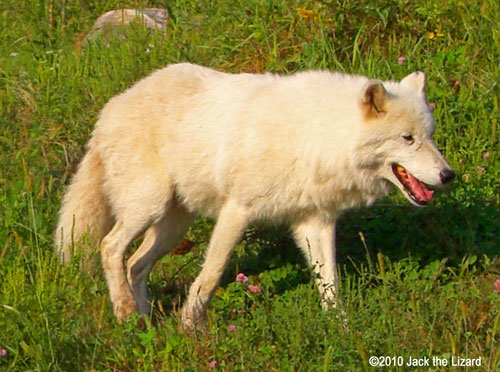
<point x="159" y="239"/>
<point x="231" y="224"/>
<point x="113" y="248"/>
<point x="133" y="215"/>
<point x="316" y="238"/>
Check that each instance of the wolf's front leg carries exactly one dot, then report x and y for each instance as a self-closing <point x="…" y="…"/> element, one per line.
<point x="316" y="238"/>
<point x="231" y="224"/>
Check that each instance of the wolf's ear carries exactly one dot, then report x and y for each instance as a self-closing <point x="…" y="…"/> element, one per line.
<point x="373" y="99"/>
<point x="415" y="81"/>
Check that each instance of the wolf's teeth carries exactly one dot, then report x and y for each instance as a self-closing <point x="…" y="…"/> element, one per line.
<point x="401" y="171"/>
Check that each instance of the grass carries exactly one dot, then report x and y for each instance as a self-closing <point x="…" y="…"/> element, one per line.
<point x="415" y="282"/>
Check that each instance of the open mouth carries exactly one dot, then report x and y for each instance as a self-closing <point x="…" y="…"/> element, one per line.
<point x="417" y="191"/>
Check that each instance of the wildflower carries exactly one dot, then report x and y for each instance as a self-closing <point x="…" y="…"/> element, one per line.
<point x="431" y="35"/>
<point x="242" y="278"/>
<point x="402" y="60"/>
<point x="307" y="13"/>
<point x="481" y="169"/>
<point x="254" y="288"/>
<point x="232" y="328"/>
<point x="3" y="352"/>
<point x="213" y="364"/>
<point x="486" y="155"/>
<point x="496" y="286"/>
<point x="432" y="106"/>
<point x="13" y="54"/>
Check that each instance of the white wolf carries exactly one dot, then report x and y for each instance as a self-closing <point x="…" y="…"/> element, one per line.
<point x="298" y="149"/>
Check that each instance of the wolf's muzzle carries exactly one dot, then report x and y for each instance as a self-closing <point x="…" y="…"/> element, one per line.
<point x="446" y="175"/>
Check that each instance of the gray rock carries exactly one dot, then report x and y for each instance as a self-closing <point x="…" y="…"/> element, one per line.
<point x="111" y="23"/>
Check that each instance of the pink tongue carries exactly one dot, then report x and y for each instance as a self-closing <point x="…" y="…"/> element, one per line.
<point x="419" y="189"/>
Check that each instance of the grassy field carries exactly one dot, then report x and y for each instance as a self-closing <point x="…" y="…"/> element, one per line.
<point x="415" y="282"/>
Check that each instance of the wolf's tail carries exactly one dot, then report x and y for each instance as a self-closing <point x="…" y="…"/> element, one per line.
<point x="85" y="208"/>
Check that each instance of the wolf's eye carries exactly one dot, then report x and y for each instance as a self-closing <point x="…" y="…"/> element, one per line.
<point x="409" y="139"/>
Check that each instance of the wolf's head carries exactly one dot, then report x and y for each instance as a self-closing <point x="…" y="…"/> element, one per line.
<point x="397" y="137"/>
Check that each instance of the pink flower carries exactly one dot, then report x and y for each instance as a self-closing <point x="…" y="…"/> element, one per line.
<point x="254" y="288"/>
<point x="232" y="328"/>
<point x="402" y="60"/>
<point x="496" y="286"/>
<point x="213" y="364"/>
<point x="242" y="278"/>
<point x="3" y="352"/>
<point x="486" y="155"/>
<point x="432" y="106"/>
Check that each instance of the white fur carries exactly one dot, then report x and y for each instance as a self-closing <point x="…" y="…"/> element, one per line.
<point x="188" y="139"/>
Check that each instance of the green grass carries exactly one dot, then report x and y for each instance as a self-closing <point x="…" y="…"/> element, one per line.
<point x="415" y="282"/>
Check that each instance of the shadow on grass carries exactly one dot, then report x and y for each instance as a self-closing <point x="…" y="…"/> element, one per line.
<point x="450" y="230"/>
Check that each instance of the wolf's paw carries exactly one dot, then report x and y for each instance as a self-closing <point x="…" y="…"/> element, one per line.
<point x="143" y="306"/>
<point x="194" y="319"/>
<point x="335" y="312"/>
<point x="338" y="314"/>
<point x="123" y="308"/>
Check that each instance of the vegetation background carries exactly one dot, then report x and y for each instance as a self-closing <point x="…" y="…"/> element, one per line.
<point x="415" y="282"/>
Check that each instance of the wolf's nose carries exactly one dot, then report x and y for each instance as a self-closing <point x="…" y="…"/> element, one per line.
<point x="446" y="175"/>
